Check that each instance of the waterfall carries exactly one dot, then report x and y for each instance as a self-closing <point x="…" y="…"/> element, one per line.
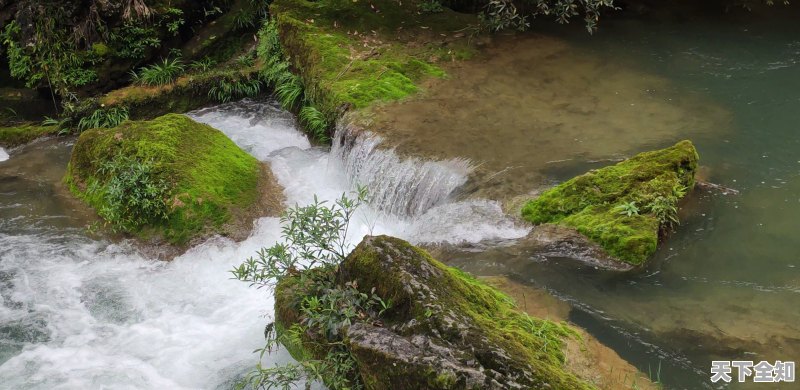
<point x="403" y="187"/>
<point x="81" y="312"/>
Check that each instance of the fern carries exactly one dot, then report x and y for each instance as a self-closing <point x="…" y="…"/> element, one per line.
<point x="315" y="123"/>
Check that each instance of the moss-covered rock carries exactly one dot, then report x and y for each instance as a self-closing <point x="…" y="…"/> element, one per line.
<point x="195" y="180"/>
<point x="351" y="54"/>
<point x="444" y="330"/>
<point x="625" y="206"/>
<point x="24" y="133"/>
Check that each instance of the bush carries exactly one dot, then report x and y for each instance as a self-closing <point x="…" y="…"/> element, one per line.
<point x="134" y="197"/>
<point x="315" y="243"/>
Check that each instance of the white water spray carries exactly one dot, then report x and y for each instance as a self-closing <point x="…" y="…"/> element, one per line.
<point x="80" y="313"/>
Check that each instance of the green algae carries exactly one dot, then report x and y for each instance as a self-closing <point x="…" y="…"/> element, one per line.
<point x="208" y="175"/>
<point x="592" y="203"/>
<point x="22" y="134"/>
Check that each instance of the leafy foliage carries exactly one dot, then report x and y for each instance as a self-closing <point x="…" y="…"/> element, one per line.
<point x="202" y="65"/>
<point x="228" y="89"/>
<point x="315" y="239"/>
<point x="628" y="209"/>
<point x="288" y="87"/>
<point x="111" y="117"/>
<point x="315" y="122"/>
<point x="313" y="235"/>
<point x="430" y="6"/>
<point x="245" y="61"/>
<point x="133" y="40"/>
<point x="135" y="196"/>
<point x="503" y="14"/>
<point x="162" y="73"/>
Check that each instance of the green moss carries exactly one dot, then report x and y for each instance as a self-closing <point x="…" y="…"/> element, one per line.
<point x="22" y="134"/>
<point x="591" y="203"/>
<point x="187" y="93"/>
<point x="209" y="175"/>
<point x="348" y="52"/>
<point x="490" y="318"/>
<point x="101" y="50"/>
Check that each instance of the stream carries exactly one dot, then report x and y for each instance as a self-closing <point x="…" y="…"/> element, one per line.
<point x="80" y="311"/>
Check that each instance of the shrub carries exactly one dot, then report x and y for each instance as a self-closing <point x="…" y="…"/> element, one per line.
<point x="134" y="196"/>
<point x="315" y="242"/>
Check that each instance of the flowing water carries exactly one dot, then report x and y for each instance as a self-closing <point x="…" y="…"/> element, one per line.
<point x="81" y="312"/>
<point x="85" y="312"/>
<point x="542" y="108"/>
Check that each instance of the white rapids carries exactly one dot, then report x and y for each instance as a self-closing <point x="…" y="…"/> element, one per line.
<point x="78" y="313"/>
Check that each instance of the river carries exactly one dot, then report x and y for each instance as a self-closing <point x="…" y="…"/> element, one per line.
<point x="79" y="311"/>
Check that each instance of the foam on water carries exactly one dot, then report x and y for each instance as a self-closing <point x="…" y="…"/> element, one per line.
<point x="81" y="313"/>
<point x="3" y="155"/>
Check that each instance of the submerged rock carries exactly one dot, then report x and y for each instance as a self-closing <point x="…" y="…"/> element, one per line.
<point x="623" y="207"/>
<point x="171" y="179"/>
<point x="444" y="329"/>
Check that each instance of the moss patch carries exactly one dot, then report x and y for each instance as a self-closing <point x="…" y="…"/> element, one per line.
<point x="356" y="53"/>
<point x="187" y="93"/>
<point x="22" y="134"/>
<point x="479" y="326"/>
<point x="594" y="203"/>
<point x="208" y="176"/>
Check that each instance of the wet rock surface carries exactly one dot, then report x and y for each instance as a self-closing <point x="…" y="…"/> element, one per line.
<point x="444" y="330"/>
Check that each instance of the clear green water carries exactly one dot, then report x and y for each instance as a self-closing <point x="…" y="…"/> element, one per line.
<point x="727" y="284"/>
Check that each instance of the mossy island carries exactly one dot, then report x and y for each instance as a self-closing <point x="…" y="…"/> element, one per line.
<point x="625" y="208"/>
<point x="171" y="180"/>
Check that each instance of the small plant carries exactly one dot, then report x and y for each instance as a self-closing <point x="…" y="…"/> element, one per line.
<point x="431" y="6"/>
<point x="134" y="197"/>
<point x="629" y="209"/>
<point x="314" y="122"/>
<point x="63" y="124"/>
<point x="160" y="73"/>
<point x="226" y="90"/>
<point x="244" y="19"/>
<point x="111" y="117"/>
<point x="202" y="65"/>
<point x="290" y="92"/>
<point x="665" y="210"/>
<point x="315" y="238"/>
<point x="245" y="61"/>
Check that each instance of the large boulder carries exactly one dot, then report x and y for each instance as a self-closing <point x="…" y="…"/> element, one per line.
<point x="444" y="329"/>
<point x="171" y="179"/>
<point x="626" y="207"/>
